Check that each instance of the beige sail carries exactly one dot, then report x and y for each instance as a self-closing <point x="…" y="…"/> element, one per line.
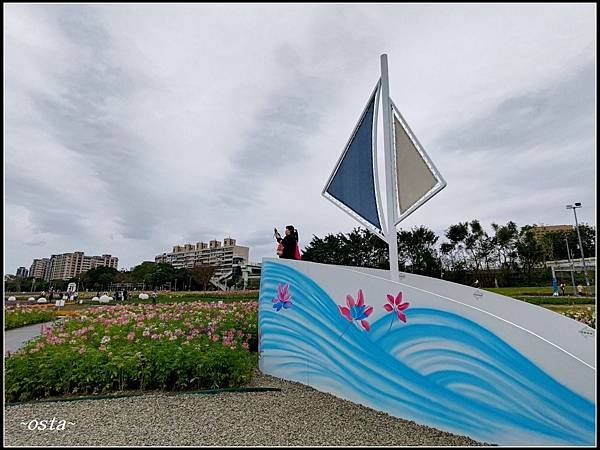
<point x="413" y="175"/>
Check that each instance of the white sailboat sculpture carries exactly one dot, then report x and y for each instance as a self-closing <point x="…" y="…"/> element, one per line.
<point x="442" y="354"/>
<point x="411" y="178"/>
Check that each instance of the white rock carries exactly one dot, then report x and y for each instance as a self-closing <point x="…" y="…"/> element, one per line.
<point x="42" y="300"/>
<point x="31" y="299"/>
<point x="105" y="299"/>
<point x="143" y="296"/>
<point x="12" y="299"/>
<point x="95" y="299"/>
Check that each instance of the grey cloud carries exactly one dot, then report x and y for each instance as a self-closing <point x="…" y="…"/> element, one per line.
<point x="51" y="211"/>
<point x="37" y="243"/>
<point x="260" y="238"/>
<point x="82" y="121"/>
<point x="553" y="115"/>
<point x="294" y="112"/>
<point x="278" y="139"/>
<point x="315" y="66"/>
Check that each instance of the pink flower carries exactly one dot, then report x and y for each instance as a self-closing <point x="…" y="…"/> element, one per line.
<point x="357" y="311"/>
<point x="131" y="336"/>
<point x="395" y="304"/>
<point x="82" y="350"/>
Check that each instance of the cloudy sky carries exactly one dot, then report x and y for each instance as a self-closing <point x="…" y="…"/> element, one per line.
<point x="131" y="128"/>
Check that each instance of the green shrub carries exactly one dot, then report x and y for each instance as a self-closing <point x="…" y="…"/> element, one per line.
<point x="167" y="347"/>
<point x="21" y="316"/>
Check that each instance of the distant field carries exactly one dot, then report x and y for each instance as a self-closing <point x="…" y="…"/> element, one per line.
<point x="533" y="291"/>
<point x="164" y="297"/>
<point x="558" y="300"/>
<point x="562" y="308"/>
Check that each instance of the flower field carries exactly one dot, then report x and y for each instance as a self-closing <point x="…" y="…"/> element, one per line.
<point x="587" y="315"/>
<point x="111" y="348"/>
<point x="19" y="316"/>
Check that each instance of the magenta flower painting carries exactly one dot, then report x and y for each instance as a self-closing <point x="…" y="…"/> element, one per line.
<point x="396" y="305"/>
<point x="284" y="297"/>
<point x="357" y="311"/>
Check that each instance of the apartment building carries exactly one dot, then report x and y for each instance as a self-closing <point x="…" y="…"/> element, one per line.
<point x="22" y="272"/>
<point x="39" y="268"/>
<point x="223" y="255"/>
<point x="540" y="230"/>
<point x="68" y="265"/>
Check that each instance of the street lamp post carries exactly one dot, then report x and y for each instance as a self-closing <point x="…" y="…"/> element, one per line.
<point x="574" y="207"/>
<point x="572" y="268"/>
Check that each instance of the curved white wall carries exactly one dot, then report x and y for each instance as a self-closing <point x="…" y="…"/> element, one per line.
<point x="522" y="374"/>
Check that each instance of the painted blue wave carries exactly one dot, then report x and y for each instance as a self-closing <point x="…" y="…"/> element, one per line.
<point x="472" y="383"/>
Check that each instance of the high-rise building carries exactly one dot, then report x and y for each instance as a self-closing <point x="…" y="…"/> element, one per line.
<point x="68" y="265"/>
<point x="39" y="268"/>
<point x="22" y="272"/>
<point x="224" y="256"/>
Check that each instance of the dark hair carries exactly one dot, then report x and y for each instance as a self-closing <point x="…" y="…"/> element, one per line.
<point x="293" y="231"/>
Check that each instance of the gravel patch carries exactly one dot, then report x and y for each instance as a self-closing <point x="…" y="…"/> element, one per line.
<point x="297" y="416"/>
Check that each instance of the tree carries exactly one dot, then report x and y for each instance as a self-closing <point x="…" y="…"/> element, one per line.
<point x="469" y="245"/>
<point x="556" y="248"/>
<point x="588" y="239"/>
<point x="181" y="277"/>
<point x="362" y="248"/>
<point x="530" y="252"/>
<point x="417" y="253"/>
<point x="329" y="250"/>
<point x="143" y="272"/>
<point x="506" y="239"/>
<point x="99" y="277"/>
<point x="162" y="274"/>
<point x="202" y="273"/>
<point x="359" y="248"/>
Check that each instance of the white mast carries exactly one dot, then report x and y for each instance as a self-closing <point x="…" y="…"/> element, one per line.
<point x="389" y="170"/>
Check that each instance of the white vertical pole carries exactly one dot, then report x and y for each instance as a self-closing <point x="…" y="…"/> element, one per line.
<point x="389" y="170"/>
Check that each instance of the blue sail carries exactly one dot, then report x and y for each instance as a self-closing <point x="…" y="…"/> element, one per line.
<point x="353" y="183"/>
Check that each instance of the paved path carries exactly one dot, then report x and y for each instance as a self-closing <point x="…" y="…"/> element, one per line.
<point x="16" y="338"/>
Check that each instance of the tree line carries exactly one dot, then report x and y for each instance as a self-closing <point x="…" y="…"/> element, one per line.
<point x="148" y="274"/>
<point x="468" y="252"/>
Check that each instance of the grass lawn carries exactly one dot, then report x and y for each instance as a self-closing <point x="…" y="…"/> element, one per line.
<point x="562" y="308"/>
<point x="533" y="291"/>
<point x="558" y="300"/>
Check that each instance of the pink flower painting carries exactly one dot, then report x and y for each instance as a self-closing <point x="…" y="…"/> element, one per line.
<point x="357" y="311"/>
<point x="396" y="306"/>
<point x="284" y="297"/>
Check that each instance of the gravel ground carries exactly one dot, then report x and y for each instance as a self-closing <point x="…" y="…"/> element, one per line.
<point x="296" y="416"/>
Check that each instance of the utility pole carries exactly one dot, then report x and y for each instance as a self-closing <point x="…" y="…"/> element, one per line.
<point x="574" y="207"/>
